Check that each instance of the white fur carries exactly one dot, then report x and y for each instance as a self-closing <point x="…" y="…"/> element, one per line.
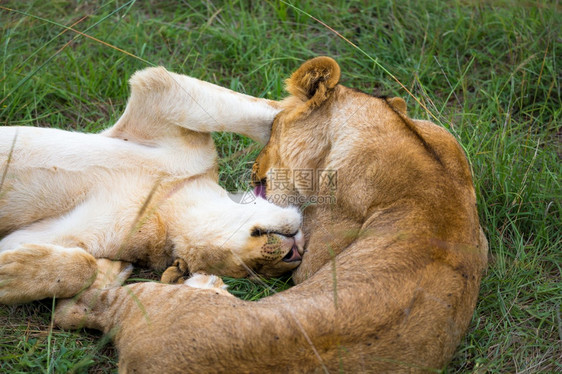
<point x="205" y="106"/>
<point x="205" y="281"/>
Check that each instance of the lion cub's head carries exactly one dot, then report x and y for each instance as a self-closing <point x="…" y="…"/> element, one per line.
<point x="326" y="127"/>
<point x="347" y="158"/>
<point x="237" y="240"/>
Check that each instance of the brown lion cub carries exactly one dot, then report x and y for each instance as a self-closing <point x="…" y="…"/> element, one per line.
<point x="393" y="262"/>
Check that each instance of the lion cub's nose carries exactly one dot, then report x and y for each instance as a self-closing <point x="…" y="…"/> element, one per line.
<point x="299" y="241"/>
<point x="295" y="247"/>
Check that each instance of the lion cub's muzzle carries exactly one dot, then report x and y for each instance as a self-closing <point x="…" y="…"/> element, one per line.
<point x="295" y="246"/>
<point x="281" y="254"/>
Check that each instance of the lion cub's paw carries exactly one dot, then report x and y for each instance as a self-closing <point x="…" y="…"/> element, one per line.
<point x="37" y="271"/>
<point x="206" y="281"/>
<point x="111" y="273"/>
<point x="77" y="312"/>
<point x="175" y="273"/>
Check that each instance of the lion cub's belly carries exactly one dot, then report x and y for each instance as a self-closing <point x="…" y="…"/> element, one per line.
<point x="48" y="172"/>
<point x="122" y="229"/>
<point x="100" y="213"/>
<point x="30" y="195"/>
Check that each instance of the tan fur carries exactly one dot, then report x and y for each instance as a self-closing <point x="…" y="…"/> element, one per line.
<point x="74" y="272"/>
<point x="392" y="268"/>
<point x="175" y="273"/>
<point x="144" y="191"/>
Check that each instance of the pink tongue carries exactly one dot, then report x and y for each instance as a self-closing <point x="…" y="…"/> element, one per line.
<point x="259" y="191"/>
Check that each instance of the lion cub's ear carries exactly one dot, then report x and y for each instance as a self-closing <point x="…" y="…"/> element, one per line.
<point x="314" y="80"/>
<point x="398" y="104"/>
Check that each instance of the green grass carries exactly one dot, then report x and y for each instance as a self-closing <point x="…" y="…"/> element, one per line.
<point x="488" y="71"/>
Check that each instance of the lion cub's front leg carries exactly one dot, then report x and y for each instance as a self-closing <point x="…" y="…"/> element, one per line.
<point x="37" y="271"/>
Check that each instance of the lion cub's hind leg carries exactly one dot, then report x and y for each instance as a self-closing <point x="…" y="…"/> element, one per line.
<point x="37" y="271"/>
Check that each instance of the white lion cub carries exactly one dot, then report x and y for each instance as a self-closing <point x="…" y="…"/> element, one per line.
<point x="143" y="191"/>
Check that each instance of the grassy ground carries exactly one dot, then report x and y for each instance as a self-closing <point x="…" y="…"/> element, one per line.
<point x="488" y="71"/>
